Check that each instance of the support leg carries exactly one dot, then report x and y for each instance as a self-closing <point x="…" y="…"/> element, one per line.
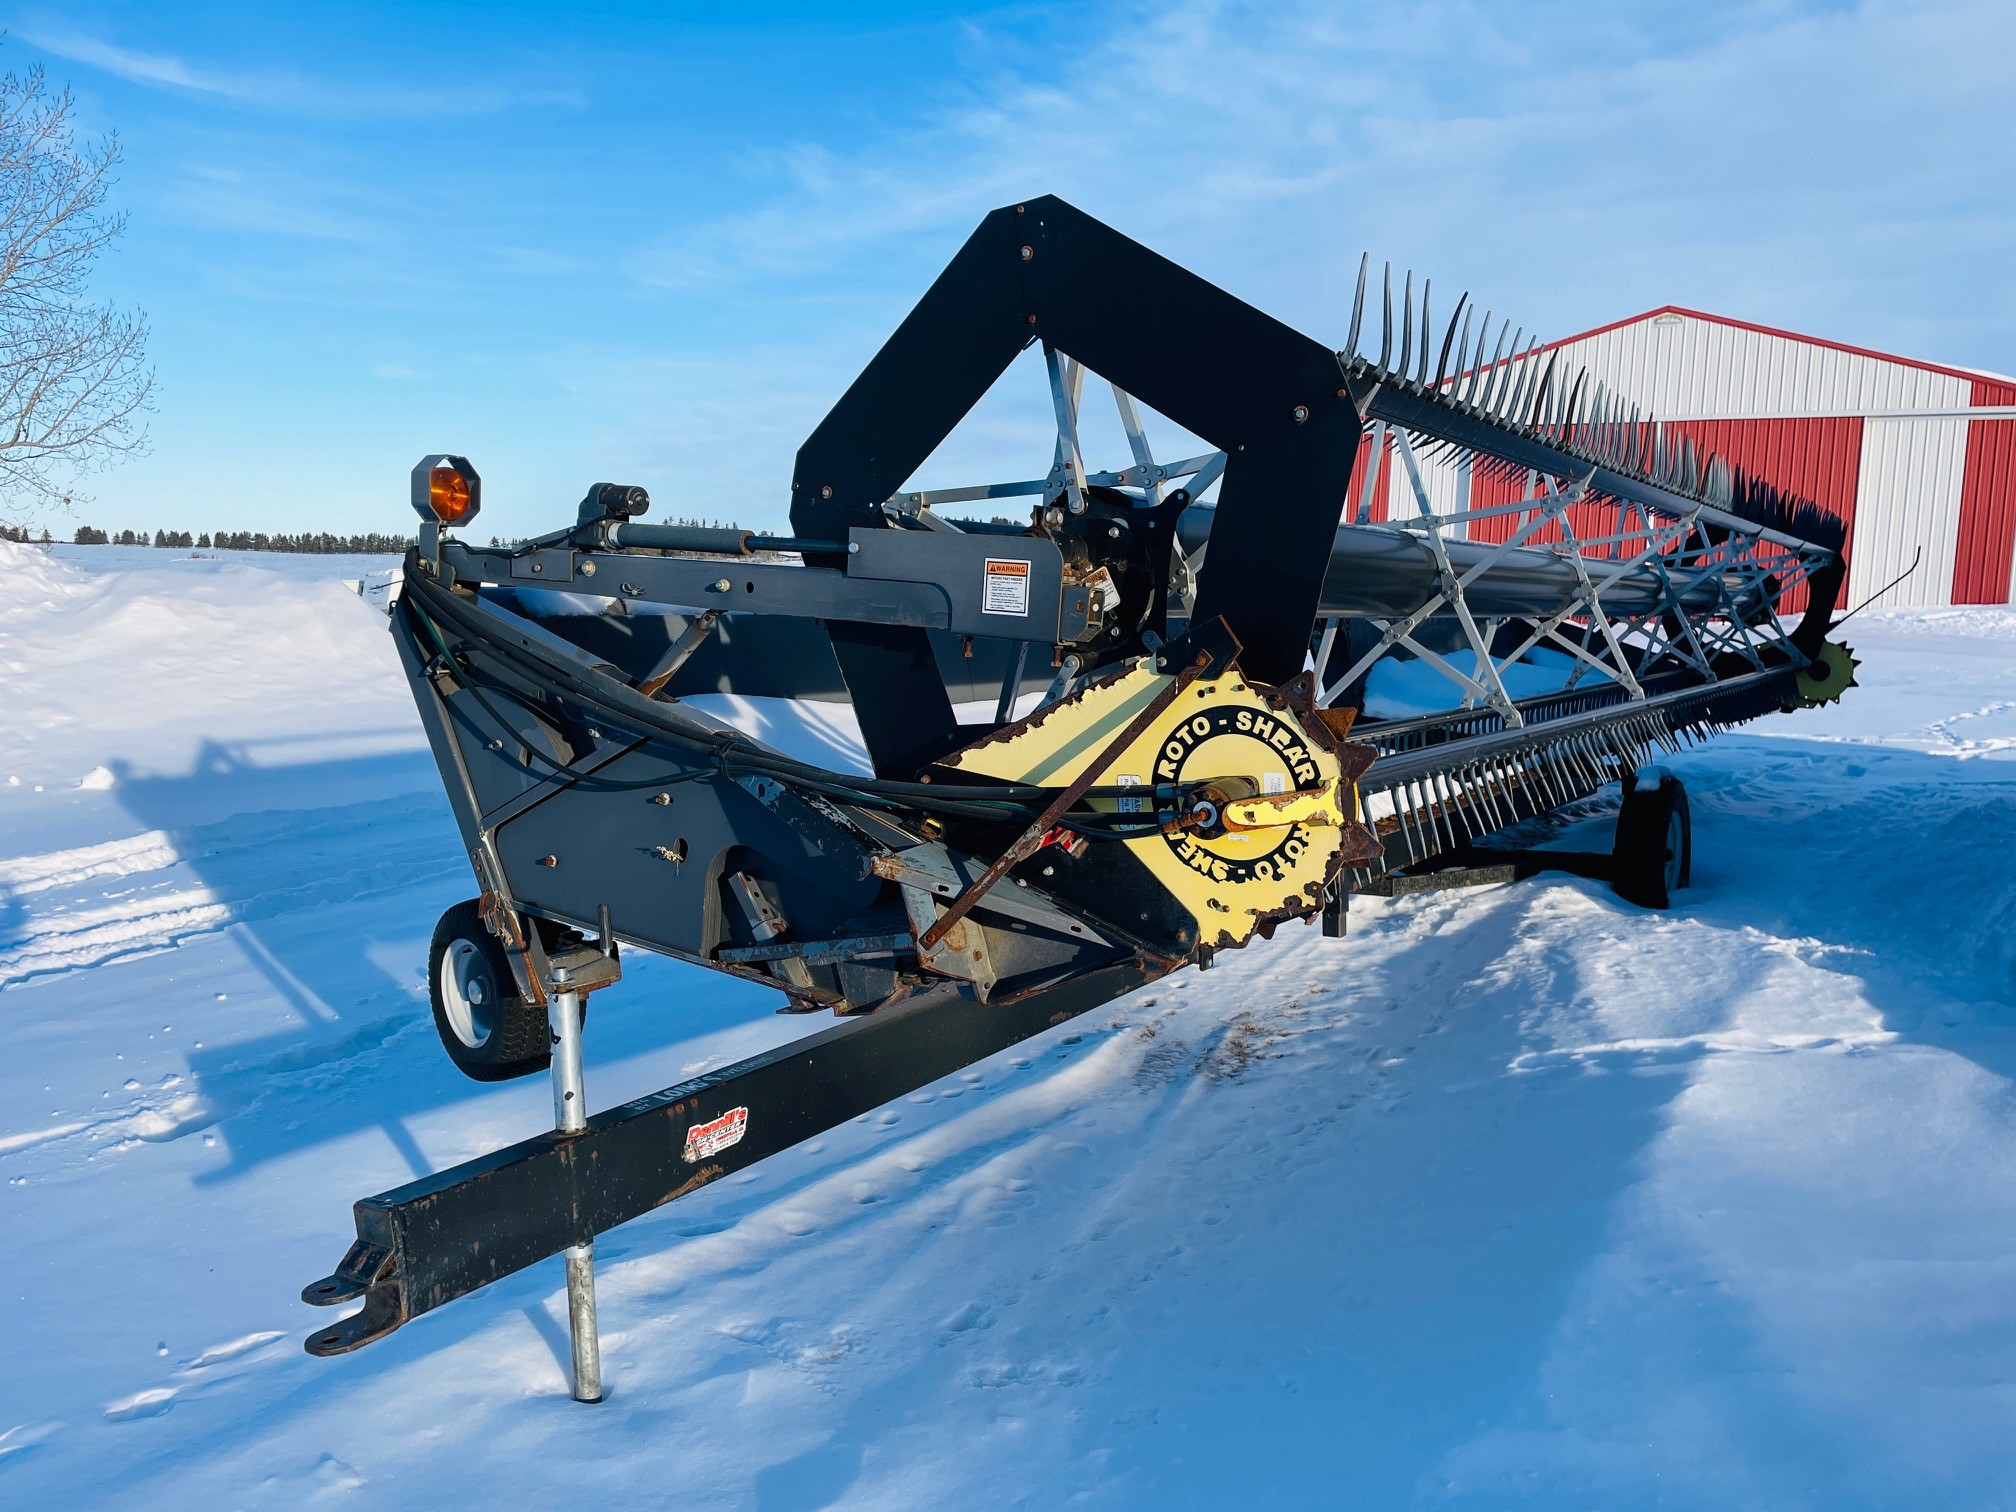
<point x="570" y="1116"/>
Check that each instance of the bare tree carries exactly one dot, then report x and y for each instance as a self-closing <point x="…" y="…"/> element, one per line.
<point x="74" y="381"/>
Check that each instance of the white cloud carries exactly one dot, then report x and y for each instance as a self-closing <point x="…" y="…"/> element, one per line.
<point x="279" y="89"/>
<point x="138" y="67"/>
<point x="1826" y="164"/>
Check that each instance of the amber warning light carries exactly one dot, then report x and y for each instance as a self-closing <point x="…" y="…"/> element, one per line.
<point x="446" y="488"/>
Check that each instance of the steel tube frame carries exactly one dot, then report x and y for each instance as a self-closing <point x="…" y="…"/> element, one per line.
<point x="430" y="1241"/>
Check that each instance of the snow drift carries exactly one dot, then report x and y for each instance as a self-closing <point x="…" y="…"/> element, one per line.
<point x="1521" y="1196"/>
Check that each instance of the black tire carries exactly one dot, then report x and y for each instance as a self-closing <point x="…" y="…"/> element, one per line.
<point x="488" y="1030"/>
<point x="1653" y="855"/>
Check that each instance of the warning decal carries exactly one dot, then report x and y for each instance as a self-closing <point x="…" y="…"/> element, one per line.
<point x="716" y="1135"/>
<point x="1007" y="588"/>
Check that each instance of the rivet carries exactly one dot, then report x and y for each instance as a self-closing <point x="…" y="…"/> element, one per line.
<point x="537" y="568"/>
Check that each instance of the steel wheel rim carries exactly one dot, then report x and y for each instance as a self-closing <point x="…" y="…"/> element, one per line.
<point x="1674" y="840"/>
<point x="468" y="995"/>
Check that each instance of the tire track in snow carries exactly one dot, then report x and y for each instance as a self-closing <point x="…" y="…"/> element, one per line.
<point x="243" y="870"/>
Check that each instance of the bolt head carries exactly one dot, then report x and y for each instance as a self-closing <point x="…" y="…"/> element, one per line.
<point x="1301" y="413"/>
<point x="1028" y="254"/>
<point x="587" y="569"/>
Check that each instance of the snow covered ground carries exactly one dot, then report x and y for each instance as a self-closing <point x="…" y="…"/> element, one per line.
<point x="1520" y="1196"/>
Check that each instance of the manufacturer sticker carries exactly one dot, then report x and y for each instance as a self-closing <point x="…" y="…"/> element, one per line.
<point x="1130" y="805"/>
<point x="716" y="1135"/>
<point x="1006" y="590"/>
<point x="1282" y="744"/>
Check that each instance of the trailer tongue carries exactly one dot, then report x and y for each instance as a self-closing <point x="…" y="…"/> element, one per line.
<point x="1204" y="762"/>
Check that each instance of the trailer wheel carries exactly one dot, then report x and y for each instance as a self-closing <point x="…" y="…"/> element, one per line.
<point x="1654" y="851"/>
<point x="488" y="1030"/>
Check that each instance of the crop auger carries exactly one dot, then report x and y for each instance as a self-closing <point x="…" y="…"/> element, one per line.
<point x="1206" y="757"/>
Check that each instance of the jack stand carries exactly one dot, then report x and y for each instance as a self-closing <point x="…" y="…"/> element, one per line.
<point x="570" y="1116"/>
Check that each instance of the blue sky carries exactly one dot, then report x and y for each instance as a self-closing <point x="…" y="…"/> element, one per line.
<point x="649" y="245"/>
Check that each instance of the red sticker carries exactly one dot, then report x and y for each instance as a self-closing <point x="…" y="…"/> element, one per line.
<point x="716" y="1135"/>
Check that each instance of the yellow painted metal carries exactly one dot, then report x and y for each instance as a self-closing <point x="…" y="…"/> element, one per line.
<point x="1282" y="792"/>
<point x="1829" y="675"/>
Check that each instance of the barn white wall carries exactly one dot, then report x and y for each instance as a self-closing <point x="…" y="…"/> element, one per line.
<point x="1907" y="500"/>
<point x="1681" y="368"/>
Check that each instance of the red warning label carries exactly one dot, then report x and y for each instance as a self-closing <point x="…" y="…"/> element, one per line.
<point x="716" y="1135"/>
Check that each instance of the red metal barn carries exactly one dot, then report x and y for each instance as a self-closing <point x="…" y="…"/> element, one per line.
<point x="1920" y="459"/>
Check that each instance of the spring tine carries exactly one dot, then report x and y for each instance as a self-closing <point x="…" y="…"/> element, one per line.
<point x="1400" y="812"/>
<point x="1529" y="375"/>
<point x="1492" y="382"/>
<point x="1427" y="332"/>
<point x="1474" y="371"/>
<point x="1518" y="372"/>
<point x="1459" y="803"/>
<point x="1514" y="407"/>
<point x="1472" y="791"/>
<point x="1479" y="788"/>
<point x="1452" y="813"/>
<point x="1436" y="819"/>
<point x="1539" y="399"/>
<point x="1358" y="306"/>
<point x="1386" y="324"/>
<point x="1480" y="800"/>
<point x="1407" y="326"/>
<point x="1571" y="411"/>
<point x="1449" y="336"/>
